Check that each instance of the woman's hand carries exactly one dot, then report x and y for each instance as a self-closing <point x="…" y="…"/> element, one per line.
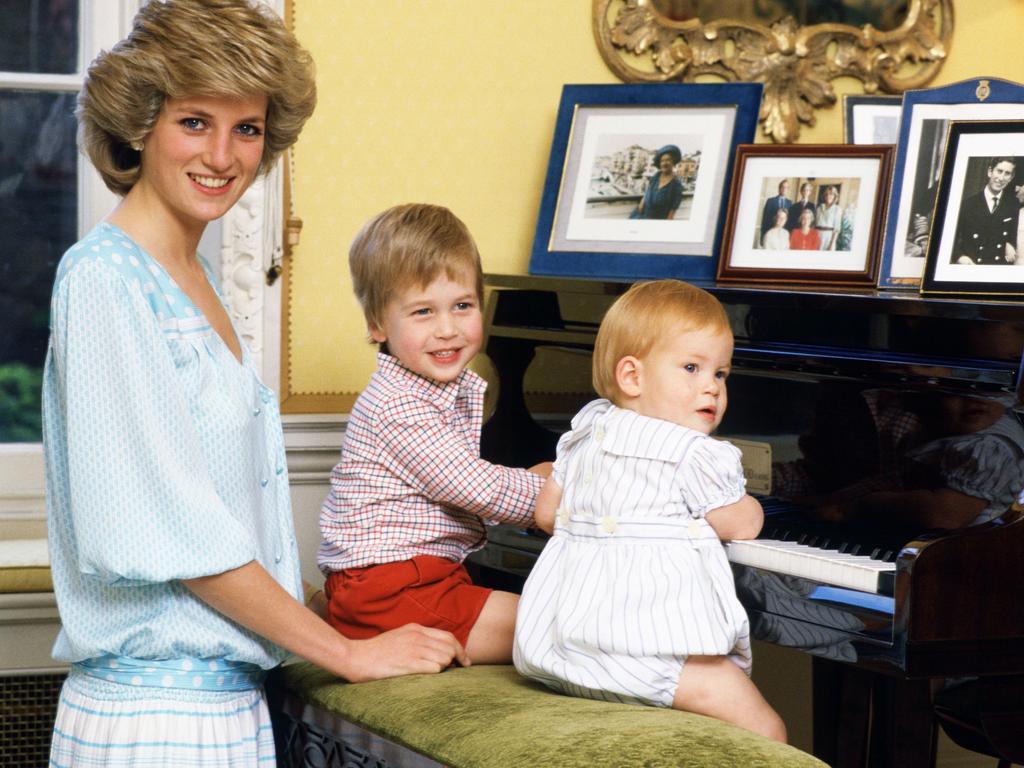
<point x="249" y="596"/>
<point x="408" y="650"/>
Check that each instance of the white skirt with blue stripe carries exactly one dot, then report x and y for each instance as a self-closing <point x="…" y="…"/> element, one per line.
<point x="105" y="723"/>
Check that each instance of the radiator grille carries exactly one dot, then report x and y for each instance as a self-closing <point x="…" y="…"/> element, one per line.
<point x="28" y="706"/>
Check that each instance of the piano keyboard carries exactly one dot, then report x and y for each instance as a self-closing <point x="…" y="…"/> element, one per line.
<point x="839" y="569"/>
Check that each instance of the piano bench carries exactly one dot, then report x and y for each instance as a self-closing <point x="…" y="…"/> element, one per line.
<point x="490" y="717"/>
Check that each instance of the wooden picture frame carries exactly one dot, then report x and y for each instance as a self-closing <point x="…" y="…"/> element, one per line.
<point x="832" y="225"/>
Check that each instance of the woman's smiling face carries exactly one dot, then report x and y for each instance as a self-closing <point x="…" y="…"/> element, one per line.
<point x="202" y="154"/>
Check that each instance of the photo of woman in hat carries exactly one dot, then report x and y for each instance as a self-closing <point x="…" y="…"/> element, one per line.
<point x="664" y="189"/>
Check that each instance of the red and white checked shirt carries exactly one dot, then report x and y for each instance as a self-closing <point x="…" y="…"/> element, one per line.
<point x="411" y="480"/>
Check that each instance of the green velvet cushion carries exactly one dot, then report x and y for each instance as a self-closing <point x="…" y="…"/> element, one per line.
<point x="490" y="717"/>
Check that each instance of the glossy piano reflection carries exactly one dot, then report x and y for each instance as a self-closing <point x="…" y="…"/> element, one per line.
<point x="892" y="541"/>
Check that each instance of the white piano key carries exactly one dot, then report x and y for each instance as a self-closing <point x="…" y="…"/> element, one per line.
<point x="825" y="566"/>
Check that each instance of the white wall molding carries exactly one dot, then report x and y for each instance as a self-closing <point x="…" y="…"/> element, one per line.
<point x="313" y="445"/>
<point x="251" y="239"/>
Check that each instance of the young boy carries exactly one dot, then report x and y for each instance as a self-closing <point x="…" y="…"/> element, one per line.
<point x="410" y="496"/>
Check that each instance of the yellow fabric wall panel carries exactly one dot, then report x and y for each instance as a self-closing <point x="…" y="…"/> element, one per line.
<point x="450" y="102"/>
<point x="453" y="102"/>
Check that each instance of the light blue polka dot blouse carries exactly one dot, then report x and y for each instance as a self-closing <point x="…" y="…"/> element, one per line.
<point x="164" y="461"/>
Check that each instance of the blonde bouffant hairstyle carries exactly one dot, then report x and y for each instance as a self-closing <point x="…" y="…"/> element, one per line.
<point x="644" y="314"/>
<point x="406" y="246"/>
<point x="187" y="48"/>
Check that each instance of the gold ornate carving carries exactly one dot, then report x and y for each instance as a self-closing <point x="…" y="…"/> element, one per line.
<point x="795" y="63"/>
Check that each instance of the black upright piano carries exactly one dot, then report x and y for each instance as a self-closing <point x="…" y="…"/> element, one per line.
<point x="879" y="431"/>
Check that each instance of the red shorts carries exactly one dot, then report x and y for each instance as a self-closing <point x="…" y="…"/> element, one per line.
<point x="427" y="590"/>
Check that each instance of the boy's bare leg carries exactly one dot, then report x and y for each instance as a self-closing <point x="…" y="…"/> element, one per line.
<point x="715" y="686"/>
<point x="490" y="640"/>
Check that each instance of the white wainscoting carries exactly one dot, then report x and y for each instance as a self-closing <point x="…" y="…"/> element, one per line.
<point x="313" y="444"/>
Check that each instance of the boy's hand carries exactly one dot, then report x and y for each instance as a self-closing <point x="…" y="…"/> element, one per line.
<point x="411" y="649"/>
<point x="543" y="469"/>
<point x="547" y="505"/>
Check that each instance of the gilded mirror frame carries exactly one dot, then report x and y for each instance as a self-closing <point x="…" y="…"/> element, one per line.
<point x="795" y="63"/>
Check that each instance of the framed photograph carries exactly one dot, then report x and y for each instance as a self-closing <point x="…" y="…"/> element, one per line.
<point x="917" y="168"/>
<point x="871" y="119"/>
<point x="806" y="213"/>
<point x="976" y="245"/>
<point x="637" y="179"/>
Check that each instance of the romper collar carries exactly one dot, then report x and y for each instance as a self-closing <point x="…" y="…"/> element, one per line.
<point x="626" y="433"/>
<point x="445" y="395"/>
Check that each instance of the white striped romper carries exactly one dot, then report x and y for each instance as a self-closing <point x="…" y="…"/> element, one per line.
<point x="634" y="580"/>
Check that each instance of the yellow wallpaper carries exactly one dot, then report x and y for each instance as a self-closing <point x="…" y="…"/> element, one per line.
<point x="453" y="102"/>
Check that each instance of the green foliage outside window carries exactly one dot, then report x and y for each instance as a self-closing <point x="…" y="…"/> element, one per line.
<point x="20" y="407"/>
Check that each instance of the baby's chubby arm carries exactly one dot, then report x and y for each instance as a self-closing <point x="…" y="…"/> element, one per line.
<point x="740" y="520"/>
<point x="547" y="505"/>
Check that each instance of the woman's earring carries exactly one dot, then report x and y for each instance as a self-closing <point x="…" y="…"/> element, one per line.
<point x="138" y="146"/>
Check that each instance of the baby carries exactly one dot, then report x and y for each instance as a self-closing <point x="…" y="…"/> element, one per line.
<point x="633" y="599"/>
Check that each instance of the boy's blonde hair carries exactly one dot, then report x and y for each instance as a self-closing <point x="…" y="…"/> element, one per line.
<point x="410" y="245"/>
<point x="184" y="49"/>
<point x="643" y="315"/>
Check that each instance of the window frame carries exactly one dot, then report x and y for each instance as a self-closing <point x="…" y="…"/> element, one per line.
<point x="249" y="237"/>
<point x="22" y="491"/>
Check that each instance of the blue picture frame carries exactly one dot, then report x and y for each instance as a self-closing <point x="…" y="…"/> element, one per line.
<point x="710" y="120"/>
<point x="920" y="152"/>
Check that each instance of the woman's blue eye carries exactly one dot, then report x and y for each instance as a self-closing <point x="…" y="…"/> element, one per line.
<point x="192" y="123"/>
<point x="249" y="130"/>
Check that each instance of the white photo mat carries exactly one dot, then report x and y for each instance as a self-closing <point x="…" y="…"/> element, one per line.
<point x="748" y="218"/>
<point x="595" y="129"/>
<point x="973" y="145"/>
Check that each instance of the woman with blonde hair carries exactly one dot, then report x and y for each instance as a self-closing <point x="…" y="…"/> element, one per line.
<point x="171" y="536"/>
<point x="828" y="219"/>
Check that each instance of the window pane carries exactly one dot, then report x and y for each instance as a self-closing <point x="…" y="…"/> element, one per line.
<point x="39" y="36"/>
<point x="38" y="218"/>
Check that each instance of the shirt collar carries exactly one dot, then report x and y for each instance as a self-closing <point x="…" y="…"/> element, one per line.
<point x="444" y="394"/>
